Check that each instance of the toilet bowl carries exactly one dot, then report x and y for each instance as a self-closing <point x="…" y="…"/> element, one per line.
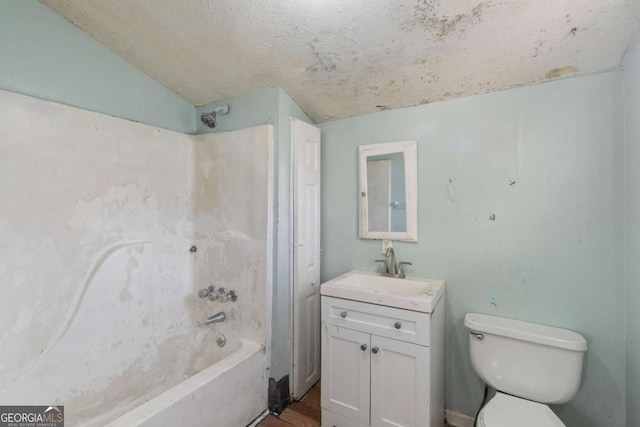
<point x="529" y="366"/>
<point x="509" y="411"/>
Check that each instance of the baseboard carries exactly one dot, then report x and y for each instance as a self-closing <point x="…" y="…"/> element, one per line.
<point x="457" y="419"/>
<point x="261" y="417"/>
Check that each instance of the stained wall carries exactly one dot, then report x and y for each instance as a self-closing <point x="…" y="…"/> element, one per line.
<point x="521" y="211"/>
<point x="100" y="284"/>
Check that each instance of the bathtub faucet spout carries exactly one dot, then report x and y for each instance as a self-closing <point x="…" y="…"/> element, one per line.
<point x="216" y="318"/>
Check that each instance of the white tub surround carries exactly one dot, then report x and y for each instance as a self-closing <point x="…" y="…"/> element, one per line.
<point x="100" y="310"/>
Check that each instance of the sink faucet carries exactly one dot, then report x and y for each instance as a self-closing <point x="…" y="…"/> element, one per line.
<point x="390" y="268"/>
<point x="216" y="318"/>
<point x="393" y="268"/>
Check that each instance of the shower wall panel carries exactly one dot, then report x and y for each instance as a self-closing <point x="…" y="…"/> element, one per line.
<point x="98" y="218"/>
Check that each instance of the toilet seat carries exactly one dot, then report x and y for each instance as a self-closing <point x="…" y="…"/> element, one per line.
<point x="508" y="411"/>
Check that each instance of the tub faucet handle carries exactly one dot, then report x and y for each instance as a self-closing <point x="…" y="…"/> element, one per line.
<point x="206" y="292"/>
<point x="223" y="295"/>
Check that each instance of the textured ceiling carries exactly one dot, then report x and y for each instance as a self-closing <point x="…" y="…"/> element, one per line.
<point x="341" y="58"/>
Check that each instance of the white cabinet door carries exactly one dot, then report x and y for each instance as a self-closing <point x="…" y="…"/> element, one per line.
<point x="346" y="372"/>
<point x="399" y="383"/>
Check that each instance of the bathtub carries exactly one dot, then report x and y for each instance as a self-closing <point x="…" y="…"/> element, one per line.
<point x="204" y="386"/>
<point x="230" y="393"/>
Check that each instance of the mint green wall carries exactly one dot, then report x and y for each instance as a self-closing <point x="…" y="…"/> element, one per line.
<point x="274" y="106"/>
<point x="631" y="87"/>
<point x="547" y="161"/>
<point x="48" y="57"/>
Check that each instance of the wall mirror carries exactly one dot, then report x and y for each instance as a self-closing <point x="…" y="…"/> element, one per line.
<point x="389" y="191"/>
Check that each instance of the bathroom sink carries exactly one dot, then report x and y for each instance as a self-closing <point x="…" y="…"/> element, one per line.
<point x="412" y="293"/>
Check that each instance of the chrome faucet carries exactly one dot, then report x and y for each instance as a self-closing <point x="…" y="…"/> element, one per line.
<point x="216" y="318"/>
<point x="389" y="266"/>
<point x="393" y="267"/>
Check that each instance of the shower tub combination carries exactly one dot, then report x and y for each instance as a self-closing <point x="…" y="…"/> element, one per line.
<point x="100" y="311"/>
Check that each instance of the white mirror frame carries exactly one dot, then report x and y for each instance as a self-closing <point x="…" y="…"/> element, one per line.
<point x="410" y="151"/>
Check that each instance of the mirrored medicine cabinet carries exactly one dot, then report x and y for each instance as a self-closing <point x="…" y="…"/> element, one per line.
<point x="388" y="191"/>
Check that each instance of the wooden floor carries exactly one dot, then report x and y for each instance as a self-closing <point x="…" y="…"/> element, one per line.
<point x="305" y="413"/>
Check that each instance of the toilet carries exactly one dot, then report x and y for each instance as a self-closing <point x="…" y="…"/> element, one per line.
<point x="529" y="365"/>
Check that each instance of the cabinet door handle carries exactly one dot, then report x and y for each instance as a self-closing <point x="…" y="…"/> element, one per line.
<point x="374" y="350"/>
<point x="397" y="325"/>
<point x="343" y="314"/>
<point x="363" y="347"/>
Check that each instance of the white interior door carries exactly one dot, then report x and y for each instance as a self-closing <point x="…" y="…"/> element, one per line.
<point x="306" y="256"/>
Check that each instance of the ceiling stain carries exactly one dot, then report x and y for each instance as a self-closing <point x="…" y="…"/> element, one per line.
<point x="561" y="72"/>
<point x="322" y="62"/>
<point x="426" y="15"/>
<point x="539" y="44"/>
<point x="338" y="58"/>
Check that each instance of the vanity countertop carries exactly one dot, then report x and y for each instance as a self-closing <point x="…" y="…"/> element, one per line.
<point x="411" y="293"/>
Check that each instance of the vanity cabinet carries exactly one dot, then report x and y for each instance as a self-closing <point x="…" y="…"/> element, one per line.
<point x="381" y="366"/>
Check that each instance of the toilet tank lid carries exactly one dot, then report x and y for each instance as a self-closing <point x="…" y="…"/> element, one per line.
<point x="525" y="331"/>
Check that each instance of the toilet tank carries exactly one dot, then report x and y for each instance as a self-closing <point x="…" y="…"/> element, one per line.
<point x="535" y="362"/>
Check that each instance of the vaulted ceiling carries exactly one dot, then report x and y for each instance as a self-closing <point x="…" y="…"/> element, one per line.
<point x="340" y="58"/>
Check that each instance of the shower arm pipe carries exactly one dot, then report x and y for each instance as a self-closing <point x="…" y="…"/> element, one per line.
<point x="224" y="109"/>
